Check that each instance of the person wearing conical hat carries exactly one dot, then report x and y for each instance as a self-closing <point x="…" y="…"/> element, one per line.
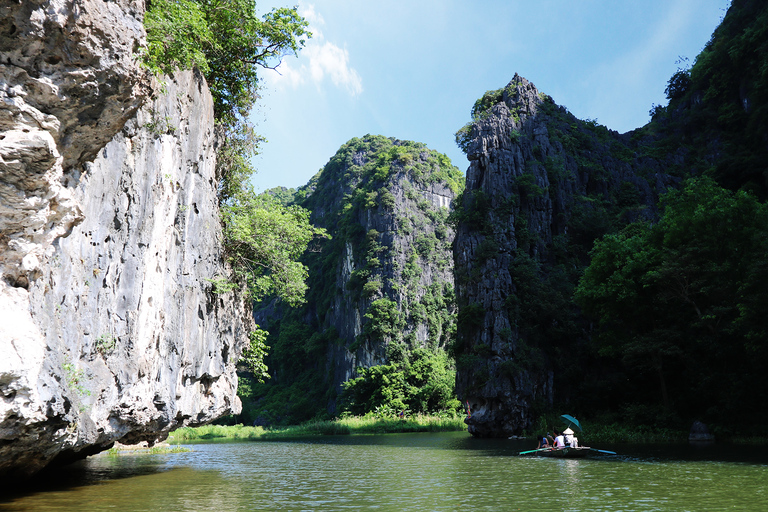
<point x="570" y="439"/>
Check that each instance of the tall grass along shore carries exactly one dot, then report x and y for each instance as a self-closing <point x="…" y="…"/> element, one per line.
<point x="368" y="424"/>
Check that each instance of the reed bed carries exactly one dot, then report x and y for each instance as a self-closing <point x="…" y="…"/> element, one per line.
<point x="215" y="432"/>
<point x="368" y="424"/>
<point x="127" y="450"/>
<point x="615" y="433"/>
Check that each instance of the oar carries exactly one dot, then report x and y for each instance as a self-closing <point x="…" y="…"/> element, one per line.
<point x="534" y="451"/>
<point x="603" y="451"/>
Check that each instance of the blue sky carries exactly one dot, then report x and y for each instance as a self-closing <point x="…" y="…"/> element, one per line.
<point x="413" y="69"/>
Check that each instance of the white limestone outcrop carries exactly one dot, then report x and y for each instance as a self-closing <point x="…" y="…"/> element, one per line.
<point x="109" y="230"/>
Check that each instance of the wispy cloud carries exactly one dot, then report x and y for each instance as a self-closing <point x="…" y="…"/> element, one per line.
<point x="318" y="61"/>
<point x="313" y="17"/>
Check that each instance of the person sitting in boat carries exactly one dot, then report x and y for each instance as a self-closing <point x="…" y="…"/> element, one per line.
<point x="559" y="441"/>
<point x="570" y="440"/>
<point x="543" y="442"/>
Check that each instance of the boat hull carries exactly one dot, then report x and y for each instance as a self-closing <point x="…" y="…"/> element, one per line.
<point x="565" y="453"/>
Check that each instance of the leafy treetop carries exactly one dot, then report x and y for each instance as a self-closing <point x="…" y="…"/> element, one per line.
<point x="228" y="43"/>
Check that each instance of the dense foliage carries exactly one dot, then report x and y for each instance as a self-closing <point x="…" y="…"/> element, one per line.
<point x="384" y="285"/>
<point x="682" y="303"/>
<point x="423" y="383"/>
<point x="264" y="243"/>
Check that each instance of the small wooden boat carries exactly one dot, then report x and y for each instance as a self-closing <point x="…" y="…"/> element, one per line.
<point x="567" y="452"/>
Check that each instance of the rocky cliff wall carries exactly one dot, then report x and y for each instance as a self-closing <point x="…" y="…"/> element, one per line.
<point x="541" y="186"/>
<point x="109" y="330"/>
<point x="404" y="274"/>
<point x="388" y="216"/>
<point x="383" y="284"/>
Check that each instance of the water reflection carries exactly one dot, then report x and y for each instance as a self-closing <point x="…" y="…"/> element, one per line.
<point x="145" y="489"/>
<point x="396" y="472"/>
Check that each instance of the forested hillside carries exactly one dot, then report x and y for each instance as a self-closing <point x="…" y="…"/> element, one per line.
<point x="380" y="308"/>
<point x="663" y="321"/>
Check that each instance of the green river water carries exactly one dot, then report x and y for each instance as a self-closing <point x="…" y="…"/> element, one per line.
<point x="448" y="471"/>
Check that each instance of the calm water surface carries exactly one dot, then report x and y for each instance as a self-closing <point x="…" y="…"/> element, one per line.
<point x="404" y="472"/>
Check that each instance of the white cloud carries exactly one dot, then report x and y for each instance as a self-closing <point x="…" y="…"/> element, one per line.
<point x="330" y="60"/>
<point x="320" y="59"/>
<point x="314" y="19"/>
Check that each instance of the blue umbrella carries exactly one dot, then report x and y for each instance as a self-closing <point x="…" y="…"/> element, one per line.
<point x="571" y="421"/>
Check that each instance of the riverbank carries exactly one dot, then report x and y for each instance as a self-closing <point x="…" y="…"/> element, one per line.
<point x="619" y="434"/>
<point x="142" y="449"/>
<point x="339" y="426"/>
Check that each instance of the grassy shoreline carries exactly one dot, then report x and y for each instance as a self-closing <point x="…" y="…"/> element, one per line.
<point x="340" y="426"/>
<point x="594" y="433"/>
<point x="621" y="434"/>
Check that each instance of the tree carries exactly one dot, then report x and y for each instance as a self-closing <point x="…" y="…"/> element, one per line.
<point x="264" y="241"/>
<point x="228" y="43"/>
<point x="678" y="84"/>
<point x="688" y="294"/>
<point x="242" y="44"/>
<point x="226" y="40"/>
<point x="254" y="354"/>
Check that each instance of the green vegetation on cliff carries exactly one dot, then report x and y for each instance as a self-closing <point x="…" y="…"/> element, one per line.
<point x="228" y="43"/>
<point x="717" y="115"/>
<point x="675" y="287"/>
<point x="380" y="291"/>
<point x="550" y="185"/>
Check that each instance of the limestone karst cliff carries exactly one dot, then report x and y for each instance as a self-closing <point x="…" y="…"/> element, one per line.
<point x="109" y="229"/>
<point x="383" y="285"/>
<point x="541" y="186"/>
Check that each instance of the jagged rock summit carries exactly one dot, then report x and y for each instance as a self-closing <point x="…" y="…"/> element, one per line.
<point x="541" y="186"/>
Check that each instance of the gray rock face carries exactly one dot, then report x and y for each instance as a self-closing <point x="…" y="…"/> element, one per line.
<point x="108" y="230"/>
<point x="406" y="275"/>
<point x="540" y="187"/>
<point x="383" y="285"/>
<point x="68" y="82"/>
